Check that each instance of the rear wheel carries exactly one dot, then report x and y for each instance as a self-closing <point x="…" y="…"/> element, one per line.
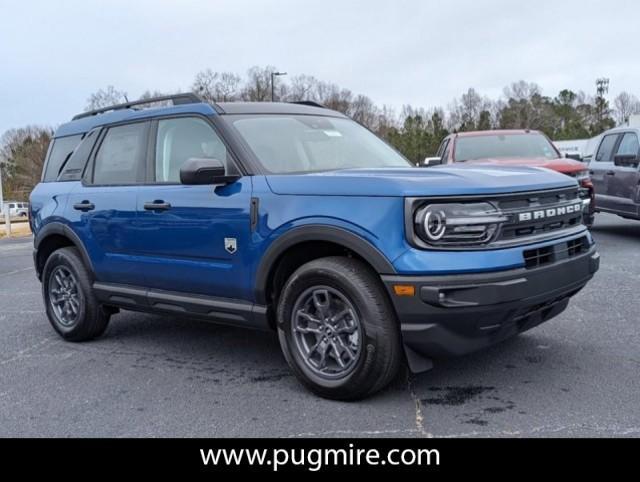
<point x="71" y="306"/>
<point x="337" y="329"/>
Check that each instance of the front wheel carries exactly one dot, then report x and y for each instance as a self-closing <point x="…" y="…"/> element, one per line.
<point x="337" y="329"/>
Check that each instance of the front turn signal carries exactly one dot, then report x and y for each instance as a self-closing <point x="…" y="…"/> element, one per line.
<point x="404" y="290"/>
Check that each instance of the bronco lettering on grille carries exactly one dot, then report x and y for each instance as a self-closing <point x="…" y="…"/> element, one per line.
<point x="550" y="213"/>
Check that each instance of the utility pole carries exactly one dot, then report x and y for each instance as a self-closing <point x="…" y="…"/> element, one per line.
<point x="5" y="210"/>
<point x="273" y="75"/>
<point x="602" y="87"/>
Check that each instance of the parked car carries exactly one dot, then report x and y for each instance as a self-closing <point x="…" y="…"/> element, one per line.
<point x="16" y="209"/>
<point x="515" y="148"/>
<point x="294" y="218"/>
<point x="614" y="172"/>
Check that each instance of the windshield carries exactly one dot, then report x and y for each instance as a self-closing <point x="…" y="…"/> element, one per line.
<point x="504" y="146"/>
<point x="303" y="143"/>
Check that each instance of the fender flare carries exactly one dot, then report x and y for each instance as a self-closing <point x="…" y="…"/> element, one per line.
<point x="317" y="232"/>
<point x="61" y="229"/>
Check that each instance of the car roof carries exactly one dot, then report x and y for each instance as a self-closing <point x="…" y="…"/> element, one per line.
<point x="275" y="108"/>
<point x="86" y="122"/>
<point x="501" y="132"/>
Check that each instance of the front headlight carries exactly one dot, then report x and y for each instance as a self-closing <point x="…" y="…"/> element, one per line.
<point x="457" y="224"/>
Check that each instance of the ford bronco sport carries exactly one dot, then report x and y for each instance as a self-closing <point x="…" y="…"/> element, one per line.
<point x="294" y="218"/>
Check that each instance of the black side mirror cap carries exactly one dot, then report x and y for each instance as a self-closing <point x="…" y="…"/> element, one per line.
<point x="628" y="160"/>
<point x="205" y="171"/>
<point x="575" y="157"/>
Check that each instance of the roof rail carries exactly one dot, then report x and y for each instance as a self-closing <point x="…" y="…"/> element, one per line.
<point x="176" y="99"/>
<point x="310" y="103"/>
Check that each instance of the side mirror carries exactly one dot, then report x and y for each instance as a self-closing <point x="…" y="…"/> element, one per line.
<point x="575" y="157"/>
<point x="430" y="161"/>
<point x="628" y="160"/>
<point x="205" y="171"/>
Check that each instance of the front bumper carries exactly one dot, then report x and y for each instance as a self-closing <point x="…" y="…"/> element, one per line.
<point x="457" y="314"/>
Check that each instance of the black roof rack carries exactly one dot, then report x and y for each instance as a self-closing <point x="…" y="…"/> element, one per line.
<point x="310" y="103"/>
<point x="176" y="99"/>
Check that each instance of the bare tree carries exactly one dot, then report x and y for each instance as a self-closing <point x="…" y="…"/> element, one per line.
<point x="625" y="105"/>
<point x="217" y="86"/>
<point x="258" y="84"/>
<point x="303" y="87"/>
<point x="22" y="153"/>
<point x="522" y="90"/>
<point x="465" y="113"/>
<point x="105" y="98"/>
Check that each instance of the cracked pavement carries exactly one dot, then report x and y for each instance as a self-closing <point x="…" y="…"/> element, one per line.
<point x="577" y="375"/>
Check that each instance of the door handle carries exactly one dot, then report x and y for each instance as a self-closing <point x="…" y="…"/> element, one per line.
<point x="611" y="173"/>
<point x="84" y="206"/>
<point x="157" y="206"/>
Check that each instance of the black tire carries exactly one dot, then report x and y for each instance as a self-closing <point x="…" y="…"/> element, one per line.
<point x="91" y="319"/>
<point x="353" y="285"/>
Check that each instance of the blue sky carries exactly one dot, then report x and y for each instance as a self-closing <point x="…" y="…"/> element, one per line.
<point x="53" y="54"/>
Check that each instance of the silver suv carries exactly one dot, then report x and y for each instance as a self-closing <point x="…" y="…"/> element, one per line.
<point x="614" y="172"/>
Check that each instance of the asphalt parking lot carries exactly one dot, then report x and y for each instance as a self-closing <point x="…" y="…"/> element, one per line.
<point x="577" y="375"/>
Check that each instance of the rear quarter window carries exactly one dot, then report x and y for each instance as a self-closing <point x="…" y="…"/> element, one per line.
<point x="61" y="148"/>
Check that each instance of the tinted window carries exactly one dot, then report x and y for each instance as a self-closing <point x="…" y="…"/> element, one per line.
<point x="497" y="146"/>
<point x="72" y="169"/>
<point x="304" y="143"/>
<point x="442" y="149"/>
<point x="120" y="158"/>
<point x="182" y="139"/>
<point x="61" y="148"/>
<point x="606" y="148"/>
<point x="628" y="145"/>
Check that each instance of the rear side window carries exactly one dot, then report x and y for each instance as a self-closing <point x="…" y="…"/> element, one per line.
<point x="73" y="168"/>
<point x="606" y="148"/>
<point x="60" y="150"/>
<point x="121" y="155"/>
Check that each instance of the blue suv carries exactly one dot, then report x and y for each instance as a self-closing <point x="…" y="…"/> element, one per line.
<point x="292" y="217"/>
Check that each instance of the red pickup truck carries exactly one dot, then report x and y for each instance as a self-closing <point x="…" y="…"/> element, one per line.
<point x="514" y="148"/>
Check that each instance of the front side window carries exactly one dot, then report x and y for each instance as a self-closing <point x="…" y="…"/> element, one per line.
<point x="182" y="139"/>
<point x="120" y="158"/>
<point x="443" y="149"/>
<point x="504" y="146"/>
<point x="304" y="143"/>
<point x="628" y="145"/>
<point x="606" y="148"/>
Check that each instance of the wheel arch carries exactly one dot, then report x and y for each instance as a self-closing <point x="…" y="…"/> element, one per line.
<point x="53" y="236"/>
<point x="329" y="237"/>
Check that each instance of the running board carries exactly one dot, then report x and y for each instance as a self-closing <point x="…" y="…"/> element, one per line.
<point x="218" y="310"/>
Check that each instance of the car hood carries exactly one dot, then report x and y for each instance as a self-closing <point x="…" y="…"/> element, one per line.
<point x="563" y="165"/>
<point x="414" y="181"/>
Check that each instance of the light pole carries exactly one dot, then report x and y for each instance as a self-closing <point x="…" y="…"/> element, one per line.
<point x="273" y="75"/>
<point x="5" y="212"/>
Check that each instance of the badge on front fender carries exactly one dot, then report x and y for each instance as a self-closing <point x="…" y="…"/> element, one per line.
<point x="230" y="245"/>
